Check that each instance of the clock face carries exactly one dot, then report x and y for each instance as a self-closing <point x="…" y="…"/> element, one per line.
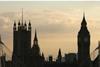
<point x="86" y="39"/>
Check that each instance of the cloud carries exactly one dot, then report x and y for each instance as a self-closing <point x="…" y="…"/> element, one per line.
<point x="52" y="21"/>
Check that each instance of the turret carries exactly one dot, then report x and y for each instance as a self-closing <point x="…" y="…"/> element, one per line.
<point x="19" y="25"/>
<point x="51" y="59"/>
<point x="25" y="26"/>
<point x="35" y="38"/>
<point x="14" y="27"/>
<point x="29" y="26"/>
<point x="43" y="58"/>
<point x="59" y="58"/>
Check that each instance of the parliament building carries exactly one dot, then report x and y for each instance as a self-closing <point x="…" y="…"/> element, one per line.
<point x="25" y="55"/>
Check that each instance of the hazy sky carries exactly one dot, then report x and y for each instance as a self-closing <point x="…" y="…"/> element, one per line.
<point x="57" y="23"/>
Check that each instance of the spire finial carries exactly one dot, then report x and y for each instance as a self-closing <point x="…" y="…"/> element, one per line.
<point x="29" y="26"/>
<point x="83" y="14"/>
<point x="59" y="58"/>
<point x="84" y="20"/>
<point x="59" y="51"/>
<point x="14" y="27"/>
<point x="35" y="38"/>
<point x="43" y="56"/>
<point x="14" y="23"/>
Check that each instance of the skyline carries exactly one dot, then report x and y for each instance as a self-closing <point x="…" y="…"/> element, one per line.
<point x="57" y="24"/>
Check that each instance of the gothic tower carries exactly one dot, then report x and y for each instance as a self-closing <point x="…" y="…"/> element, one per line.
<point x="35" y="48"/>
<point x="59" y="58"/>
<point x="84" y="45"/>
<point x="21" y="43"/>
<point x="36" y="56"/>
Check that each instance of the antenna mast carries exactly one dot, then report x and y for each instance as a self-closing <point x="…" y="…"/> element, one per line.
<point x="22" y="15"/>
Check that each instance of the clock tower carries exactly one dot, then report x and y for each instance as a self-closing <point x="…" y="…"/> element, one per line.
<point x="84" y="45"/>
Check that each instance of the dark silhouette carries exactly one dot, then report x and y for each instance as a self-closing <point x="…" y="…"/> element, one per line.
<point x="96" y="62"/>
<point x="59" y="58"/>
<point x="84" y="45"/>
<point x="26" y="56"/>
<point x="21" y="44"/>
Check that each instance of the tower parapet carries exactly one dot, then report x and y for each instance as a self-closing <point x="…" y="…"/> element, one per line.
<point x="25" y="26"/>
<point x="21" y="43"/>
<point x="19" y="25"/>
<point x="22" y="26"/>
<point x="14" y="26"/>
<point x="29" y="26"/>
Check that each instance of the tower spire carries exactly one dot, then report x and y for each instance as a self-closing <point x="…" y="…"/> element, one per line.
<point x="84" y="59"/>
<point x="29" y="26"/>
<point x="59" y="54"/>
<point x="43" y="58"/>
<point x="35" y="38"/>
<point x="14" y="27"/>
<point x="84" y="20"/>
<point x="59" y="58"/>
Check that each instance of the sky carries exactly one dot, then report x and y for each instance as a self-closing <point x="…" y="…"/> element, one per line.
<point x="49" y="0"/>
<point x="57" y="23"/>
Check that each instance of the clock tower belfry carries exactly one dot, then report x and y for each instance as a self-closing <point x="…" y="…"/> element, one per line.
<point x="84" y="45"/>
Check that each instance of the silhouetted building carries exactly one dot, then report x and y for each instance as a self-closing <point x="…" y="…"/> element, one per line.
<point x="59" y="58"/>
<point x="3" y="60"/>
<point x="35" y="48"/>
<point x="43" y="57"/>
<point x="50" y="59"/>
<point x="84" y="45"/>
<point x="21" y="44"/>
<point x="96" y="62"/>
<point x="26" y="56"/>
<point x="37" y="58"/>
<point x="70" y="58"/>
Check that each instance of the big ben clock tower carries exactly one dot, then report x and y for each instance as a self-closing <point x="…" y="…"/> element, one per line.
<point x="84" y="45"/>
